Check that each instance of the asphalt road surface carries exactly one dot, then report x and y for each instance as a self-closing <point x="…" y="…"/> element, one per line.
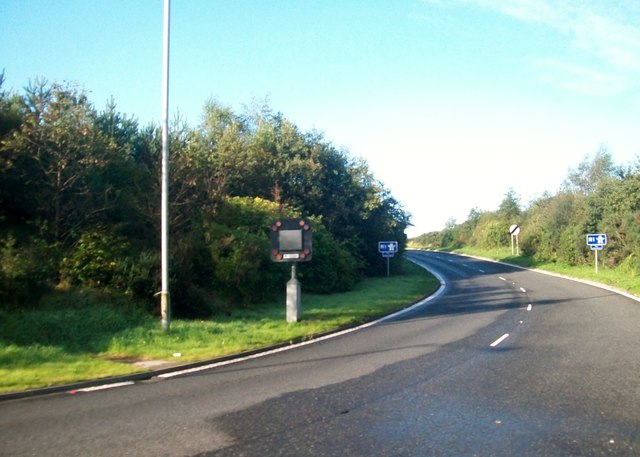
<point x="503" y="362"/>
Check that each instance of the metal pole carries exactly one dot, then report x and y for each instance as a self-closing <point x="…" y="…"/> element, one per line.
<point x="165" y="307"/>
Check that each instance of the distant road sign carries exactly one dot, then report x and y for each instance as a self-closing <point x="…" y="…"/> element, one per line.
<point x="596" y="239"/>
<point x="387" y="247"/>
<point x="514" y="229"/>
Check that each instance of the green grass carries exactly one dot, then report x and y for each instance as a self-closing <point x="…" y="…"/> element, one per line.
<point x="33" y="366"/>
<point x="75" y="338"/>
<point x="621" y="278"/>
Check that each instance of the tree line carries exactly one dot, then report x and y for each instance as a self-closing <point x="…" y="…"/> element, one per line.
<point x="597" y="196"/>
<point x="80" y="203"/>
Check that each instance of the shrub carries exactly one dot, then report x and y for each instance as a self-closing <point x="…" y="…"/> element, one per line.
<point x="332" y="269"/>
<point x="94" y="258"/>
<point x="242" y="267"/>
<point x="492" y="233"/>
<point x="26" y="270"/>
<point x="138" y="277"/>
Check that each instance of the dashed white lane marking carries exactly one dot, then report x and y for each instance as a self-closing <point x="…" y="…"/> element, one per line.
<point x="529" y="307"/>
<point x="481" y="270"/>
<point x="103" y="387"/>
<point x="500" y="340"/>
<point x="523" y="290"/>
<point x="500" y="277"/>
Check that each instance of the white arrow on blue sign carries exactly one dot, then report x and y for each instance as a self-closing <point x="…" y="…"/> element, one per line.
<point x="596" y="239"/>
<point x="387" y="246"/>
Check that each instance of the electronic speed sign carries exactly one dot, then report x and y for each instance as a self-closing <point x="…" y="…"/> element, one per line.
<point x="290" y="240"/>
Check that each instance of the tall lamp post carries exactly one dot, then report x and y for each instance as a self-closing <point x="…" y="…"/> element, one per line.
<point x="165" y="306"/>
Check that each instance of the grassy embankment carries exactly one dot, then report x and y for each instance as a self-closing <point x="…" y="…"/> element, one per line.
<point x="78" y="337"/>
<point x="620" y="278"/>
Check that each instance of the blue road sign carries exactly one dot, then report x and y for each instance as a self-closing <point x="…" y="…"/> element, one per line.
<point x="596" y="239"/>
<point x="387" y="247"/>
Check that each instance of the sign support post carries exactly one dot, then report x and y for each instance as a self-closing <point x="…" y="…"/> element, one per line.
<point x="514" y="230"/>
<point x="293" y="296"/>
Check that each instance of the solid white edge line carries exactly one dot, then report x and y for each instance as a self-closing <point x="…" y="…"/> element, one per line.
<point x="423" y="302"/>
<point x="500" y="340"/>
<point x="104" y="387"/>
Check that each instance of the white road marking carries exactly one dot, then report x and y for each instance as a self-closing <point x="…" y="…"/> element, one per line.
<point x="529" y="307"/>
<point x="500" y="340"/>
<point x="103" y="387"/>
<point x="500" y="277"/>
<point x="523" y="290"/>
<point x="435" y="295"/>
<point x="481" y="270"/>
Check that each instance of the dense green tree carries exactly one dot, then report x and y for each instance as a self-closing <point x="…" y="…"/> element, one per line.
<point x="80" y="194"/>
<point x="585" y="177"/>
<point x="509" y="209"/>
<point x="597" y="197"/>
<point x="62" y="170"/>
<point x="10" y="116"/>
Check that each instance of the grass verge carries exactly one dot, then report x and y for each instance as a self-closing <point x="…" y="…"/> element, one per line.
<point x="69" y="343"/>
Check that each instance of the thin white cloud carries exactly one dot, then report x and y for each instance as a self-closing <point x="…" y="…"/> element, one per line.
<point x="581" y="78"/>
<point x="604" y="33"/>
<point x="614" y="39"/>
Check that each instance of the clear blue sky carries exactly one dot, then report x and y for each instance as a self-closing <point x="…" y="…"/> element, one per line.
<point x="451" y="102"/>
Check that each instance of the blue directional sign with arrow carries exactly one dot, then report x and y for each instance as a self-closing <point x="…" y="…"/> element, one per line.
<point x="387" y="247"/>
<point x="596" y="239"/>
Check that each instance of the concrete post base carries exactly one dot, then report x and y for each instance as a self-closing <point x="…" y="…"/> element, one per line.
<point x="293" y="300"/>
